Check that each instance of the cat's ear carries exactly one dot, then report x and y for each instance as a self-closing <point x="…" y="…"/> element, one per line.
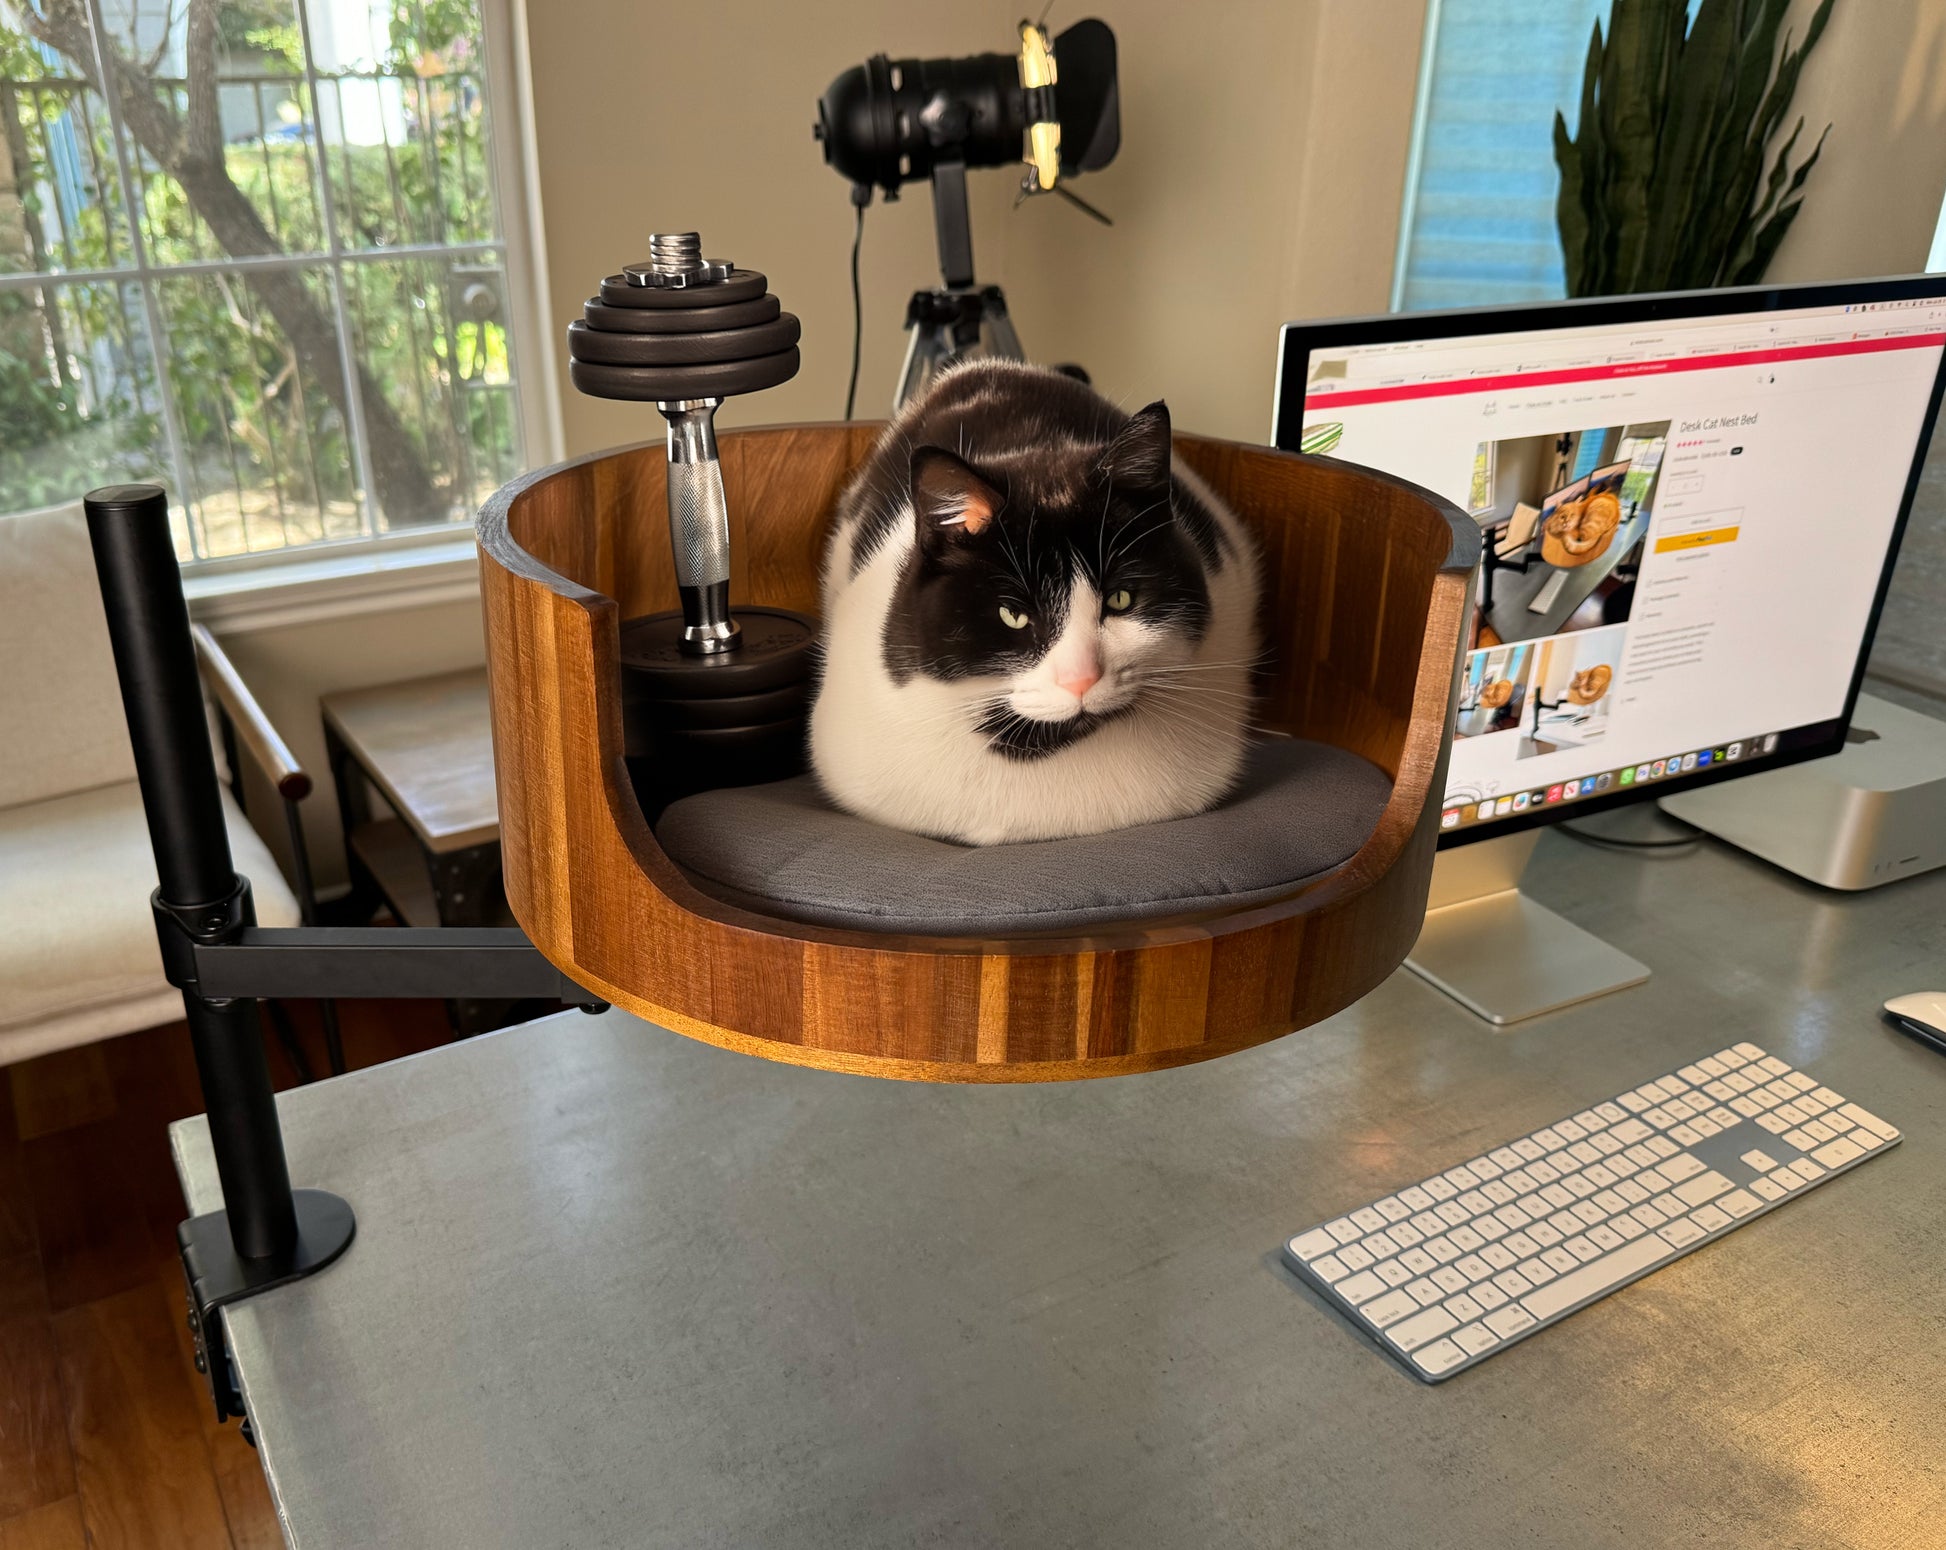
<point x="948" y="498"/>
<point x="1138" y="457"/>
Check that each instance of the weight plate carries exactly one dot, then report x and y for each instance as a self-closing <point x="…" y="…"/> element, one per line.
<point x="719" y="741"/>
<point x="731" y="710"/>
<point x="713" y="379"/>
<point x="743" y="285"/>
<point x="778" y="650"/>
<point x="732" y="344"/>
<point x="678" y="320"/>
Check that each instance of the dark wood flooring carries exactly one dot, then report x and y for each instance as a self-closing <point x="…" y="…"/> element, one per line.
<point x="107" y="1435"/>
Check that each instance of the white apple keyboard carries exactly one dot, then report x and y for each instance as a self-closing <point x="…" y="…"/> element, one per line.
<point x="1449" y="1270"/>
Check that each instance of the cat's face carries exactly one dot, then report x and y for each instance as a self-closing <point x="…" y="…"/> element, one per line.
<point x="1056" y="610"/>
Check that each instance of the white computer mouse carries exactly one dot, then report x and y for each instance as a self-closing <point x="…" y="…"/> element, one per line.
<point x="1922" y="1014"/>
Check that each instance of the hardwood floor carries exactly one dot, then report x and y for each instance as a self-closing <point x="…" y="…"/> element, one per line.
<point x="108" y="1440"/>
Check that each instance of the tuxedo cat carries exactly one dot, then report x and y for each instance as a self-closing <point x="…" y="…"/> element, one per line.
<point x="1036" y="625"/>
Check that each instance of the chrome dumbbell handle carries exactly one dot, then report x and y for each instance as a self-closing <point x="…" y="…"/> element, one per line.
<point x="699" y="526"/>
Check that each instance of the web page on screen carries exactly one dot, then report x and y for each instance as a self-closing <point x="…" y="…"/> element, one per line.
<point x="1685" y="523"/>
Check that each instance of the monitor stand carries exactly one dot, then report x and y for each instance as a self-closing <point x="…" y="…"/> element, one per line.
<point x="1497" y="952"/>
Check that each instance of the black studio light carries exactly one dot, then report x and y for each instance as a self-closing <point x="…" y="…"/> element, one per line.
<point x="1052" y="108"/>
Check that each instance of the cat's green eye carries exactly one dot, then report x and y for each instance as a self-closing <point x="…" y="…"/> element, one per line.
<point x="1120" y="600"/>
<point x="1012" y="620"/>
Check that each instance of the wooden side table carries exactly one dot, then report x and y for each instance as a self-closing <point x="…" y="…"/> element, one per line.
<point x="432" y="856"/>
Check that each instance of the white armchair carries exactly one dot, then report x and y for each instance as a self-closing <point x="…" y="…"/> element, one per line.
<point x="78" y="955"/>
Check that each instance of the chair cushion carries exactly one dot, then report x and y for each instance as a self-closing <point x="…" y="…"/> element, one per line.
<point x="76" y="935"/>
<point x="59" y="704"/>
<point x="1301" y="809"/>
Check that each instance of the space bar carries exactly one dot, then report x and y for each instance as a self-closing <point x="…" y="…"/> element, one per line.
<point x="1592" y="1280"/>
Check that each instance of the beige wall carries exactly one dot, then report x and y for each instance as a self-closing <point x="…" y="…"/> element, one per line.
<point x="1878" y="77"/>
<point x="1262" y="161"/>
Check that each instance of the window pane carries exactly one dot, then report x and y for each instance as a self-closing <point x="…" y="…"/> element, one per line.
<point x="432" y="333"/>
<point x="404" y="125"/>
<point x="60" y="198"/>
<point x="270" y="462"/>
<point x="1482" y="209"/>
<point x="316" y="386"/>
<point x="78" y="400"/>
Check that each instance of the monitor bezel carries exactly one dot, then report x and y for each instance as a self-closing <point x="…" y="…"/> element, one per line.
<point x="1816" y="740"/>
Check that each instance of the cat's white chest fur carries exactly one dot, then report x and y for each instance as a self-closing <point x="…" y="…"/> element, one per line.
<point x="911" y="754"/>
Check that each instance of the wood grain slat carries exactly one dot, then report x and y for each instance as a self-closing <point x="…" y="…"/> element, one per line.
<point x="1369" y="580"/>
<point x="144" y="1471"/>
<point x="36" y="1467"/>
<point x="57" y="1526"/>
<point x="60" y="1091"/>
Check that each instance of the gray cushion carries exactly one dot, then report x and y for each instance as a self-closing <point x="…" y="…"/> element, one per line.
<point x="1301" y="809"/>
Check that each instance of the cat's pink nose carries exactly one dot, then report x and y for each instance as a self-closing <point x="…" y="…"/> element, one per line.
<point x="1078" y="680"/>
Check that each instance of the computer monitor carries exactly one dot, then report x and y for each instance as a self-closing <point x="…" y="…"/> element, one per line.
<point x="1691" y="504"/>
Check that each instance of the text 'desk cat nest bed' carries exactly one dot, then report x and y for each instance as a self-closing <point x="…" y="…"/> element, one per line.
<point x="1367" y="583"/>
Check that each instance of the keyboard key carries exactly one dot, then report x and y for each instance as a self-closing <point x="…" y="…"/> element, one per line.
<point x="1634" y="1102"/>
<point x="1512" y="1282"/>
<point x="1429" y="1324"/>
<point x="1499" y="1193"/>
<point x="1773" y="1124"/>
<point x="1529" y="1149"/>
<point x="1392" y="1273"/>
<point x="1871" y="1122"/>
<point x="1579" y="1186"/>
<point x="1538" y="1271"/>
<point x="1509" y="1321"/>
<point x="1417" y="1198"/>
<point x="1749" y="1108"/>
<point x="1452" y="1213"/>
<point x="1679" y="1233"/>
<point x="1605" y="1237"/>
<point x="1739" y="1202"/>
<point x="1762" y="1161"/>
<point x="1393" y="1209"/>
<point x="1439" y="1189"/>
<point x="1389" y="1309"/>
<point x="1710" y="1218"/>
<point x="1499" y="1256"/>
<point x="1686" y="1133"/>
<point x="1648" y="1216"/>
<point x="1488" y="1227"/>
<point x="1582" y="1249"/>
<point x="1705" y="1186"/>
<point x="1355" y="1257"/>
<point x="1380" y="1245"/>
<point x="1821" y="1131"/>
<point x="1522" y="1246"/>
<point x="1461" y="1177"/>
<point x="1368" y="1219"/>
<point x="1464" y="1307"/>
<point x="1362" y="1287"/>
<point x="1450" y="1279"/>
<point x="1627" y="1226"/>
<point x="1487" y="1295"/>
<point x="1595" y="1278"/>
<point x="1472" y="1267"/>
<point x="1559" y="1259"/>
<point x="1440" y="1356"/>
<point x="1309" y="1245"/>
<point x="1544" y="1235"/>
<point x="1837" y="1153"/>
<point x="1465" y="1238"/>
<point x="1418" y="1261"/>
<point x="1442" y="1250"/>
<point x="1800" y="1081"/>
<point x="1330" y="1268"/>
<point x="1770" y="1189"/>
<point x="1424" y="1293"/>
<point x="1827" y="1097"/>
<point x="1610" y="1112"/>
<point x="1801" y="1138"/>
<point x="1506" y="1157"/>
<point x="1475" y="1202"/>
<point x="1631" y="1132"/>
<point x="1770" y="1065"/>
<point x="1662" y="1146"/>
<point x="1589" y="1212"/>
<point x="1475" y="1338"/>
<point x="1344" y="1230"/>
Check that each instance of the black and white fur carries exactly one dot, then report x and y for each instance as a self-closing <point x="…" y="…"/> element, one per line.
<point x="1036" y="624"/>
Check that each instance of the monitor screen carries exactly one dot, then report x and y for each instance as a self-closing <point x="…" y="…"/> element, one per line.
<point x="1689" y="508"/>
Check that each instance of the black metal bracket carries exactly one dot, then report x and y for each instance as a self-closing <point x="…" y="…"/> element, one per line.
<point x="389" y="962"/>
<point x="216" y="1277"/>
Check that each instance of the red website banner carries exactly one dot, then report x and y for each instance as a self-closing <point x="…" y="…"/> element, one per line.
<point x="1802" y="352"/>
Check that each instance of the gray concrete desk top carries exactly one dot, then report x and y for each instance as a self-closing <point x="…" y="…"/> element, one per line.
<point x="615" y="1288"/>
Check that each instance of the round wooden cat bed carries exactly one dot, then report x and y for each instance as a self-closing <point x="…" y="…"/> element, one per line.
<point x="1368" y="581"/>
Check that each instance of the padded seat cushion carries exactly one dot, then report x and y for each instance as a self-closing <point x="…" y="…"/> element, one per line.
<point x="78" y="955"/>
<point x="1301" y="809"/>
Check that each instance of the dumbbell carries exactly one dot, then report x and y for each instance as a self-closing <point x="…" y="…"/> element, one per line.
<point x="710" y="697"/>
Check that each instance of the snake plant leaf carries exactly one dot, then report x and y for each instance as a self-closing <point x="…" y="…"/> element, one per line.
<point x="1669" y="179"/>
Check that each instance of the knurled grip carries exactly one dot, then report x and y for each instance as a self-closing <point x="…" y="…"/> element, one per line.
<point x="699" y="523"/>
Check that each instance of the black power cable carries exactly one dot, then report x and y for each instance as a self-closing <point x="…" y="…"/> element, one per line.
<point x="861" y="195"/>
